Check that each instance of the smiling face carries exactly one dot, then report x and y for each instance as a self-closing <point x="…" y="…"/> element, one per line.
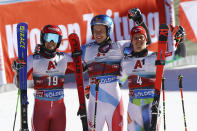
<point x="99" y="33"/>
<point x="139" y="42"/>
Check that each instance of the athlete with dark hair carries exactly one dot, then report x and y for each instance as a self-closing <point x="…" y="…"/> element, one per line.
<point x="48" y="68"/>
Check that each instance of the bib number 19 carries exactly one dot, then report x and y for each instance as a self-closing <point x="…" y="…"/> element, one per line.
<point x="53" y="80"/>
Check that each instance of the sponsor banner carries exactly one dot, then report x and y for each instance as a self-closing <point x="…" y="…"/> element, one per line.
<point x="71" y="16"/>
<point x="142" y="93"/>
<point x="49" y="94"/>
<point x="187" y="18"/>
<point x="2" y="68"/>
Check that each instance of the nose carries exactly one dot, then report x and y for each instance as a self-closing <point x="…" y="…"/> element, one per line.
<point x="98" y="32"/>
<point x="51" y="41"/>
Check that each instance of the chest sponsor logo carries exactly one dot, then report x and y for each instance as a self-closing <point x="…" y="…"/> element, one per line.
<point x="141" y="94"/>
<point x="139" y="64"/>
<point x="49" y="93"/>
<point x="51" y="65"/>
<point x="108" y="80"/>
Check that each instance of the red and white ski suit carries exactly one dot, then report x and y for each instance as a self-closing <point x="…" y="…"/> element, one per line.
<point x="49" y="112"/>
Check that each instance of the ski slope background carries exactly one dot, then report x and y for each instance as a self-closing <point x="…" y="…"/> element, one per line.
<point x="174" y="114"/>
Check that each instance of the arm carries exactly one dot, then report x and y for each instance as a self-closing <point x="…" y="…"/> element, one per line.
<point x="19" y="64"/>
<point x="179" y="38"/>
<point x="147" y="32"/>
<point x="136" y="16"/>
<point x="16" y="66"/>
<point x="123" y="77"/>
<point x="122" y="80"/>
<point x="180" y="49"/>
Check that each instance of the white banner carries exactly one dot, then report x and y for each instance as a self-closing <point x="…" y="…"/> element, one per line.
<point x="2" y="65"/>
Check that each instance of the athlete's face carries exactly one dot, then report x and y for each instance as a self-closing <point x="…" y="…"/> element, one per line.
<point x="139" y="42"/>
<point x="50" y="45"/>
<point x="99" y="33"/>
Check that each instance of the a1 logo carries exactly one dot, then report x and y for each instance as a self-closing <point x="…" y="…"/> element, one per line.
<point x="139" y="64"/>
<point x="51" y="65"/>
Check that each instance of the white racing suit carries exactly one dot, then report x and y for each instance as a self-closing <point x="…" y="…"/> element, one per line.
<point x="140" y="70"/>
<point x="104" y="67"/>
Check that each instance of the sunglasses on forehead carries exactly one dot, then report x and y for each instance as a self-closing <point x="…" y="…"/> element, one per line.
<point x="48" y="37"/>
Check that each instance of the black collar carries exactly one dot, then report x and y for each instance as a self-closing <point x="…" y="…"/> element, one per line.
<point x="105" y="45"/>
<point x="139" y="54"/>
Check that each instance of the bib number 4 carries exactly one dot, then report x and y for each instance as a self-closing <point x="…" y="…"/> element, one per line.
<point x="139" y="80"/>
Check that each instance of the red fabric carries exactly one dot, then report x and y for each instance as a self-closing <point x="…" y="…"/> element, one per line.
<point x="70" y="68"/>
<point x="147" y="82"/>
<point x="154" y="12"/>
<point x="52" y="29"/>
<point x="136" y="30"/>
<point x="117" y="120"/>
<point x="49" y="116"/>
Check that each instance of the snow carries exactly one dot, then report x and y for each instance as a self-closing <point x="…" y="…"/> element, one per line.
<point x="174" y="112"/>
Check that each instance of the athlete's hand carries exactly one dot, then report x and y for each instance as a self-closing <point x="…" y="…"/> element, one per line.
<point x="135" y="15"/>
<point x="37" y="49"/>
<point x="87" y="91"/>
<point x="179" y="36"/>
<point x="178" y="32"/>
<point x="18" y="64"/>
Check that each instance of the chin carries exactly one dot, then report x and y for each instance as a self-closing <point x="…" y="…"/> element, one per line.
<point x="99" y="42"/>
<point x="138" y="50"/>
<point x="51" y="49"/>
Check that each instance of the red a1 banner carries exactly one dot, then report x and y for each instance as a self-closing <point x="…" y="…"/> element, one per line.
<point x="72" y="16"/>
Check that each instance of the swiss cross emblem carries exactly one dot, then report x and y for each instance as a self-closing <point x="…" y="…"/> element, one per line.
<point x="100" y="54"/>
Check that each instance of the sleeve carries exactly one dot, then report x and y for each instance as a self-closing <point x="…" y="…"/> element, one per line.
<point x="181" y="50"/>
<point x="29" y="70"/>
<point x="123" y="76"/>
<point x="177" y="34"/>
<point x="147" y="32"/>
<point x="70" y="65"/>
<point x="175" y="51"/>
<point x="15" y="80"/>
<point x="29" y="65"/>
<point x="83" y="49"/>
<point x="84" y="64"/>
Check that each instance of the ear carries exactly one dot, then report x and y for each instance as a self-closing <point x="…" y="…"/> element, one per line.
<point x="146" y="40"/>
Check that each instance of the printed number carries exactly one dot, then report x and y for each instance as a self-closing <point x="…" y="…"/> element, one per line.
<point x="139" y="80"/>
<point x="53" y="80"/>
